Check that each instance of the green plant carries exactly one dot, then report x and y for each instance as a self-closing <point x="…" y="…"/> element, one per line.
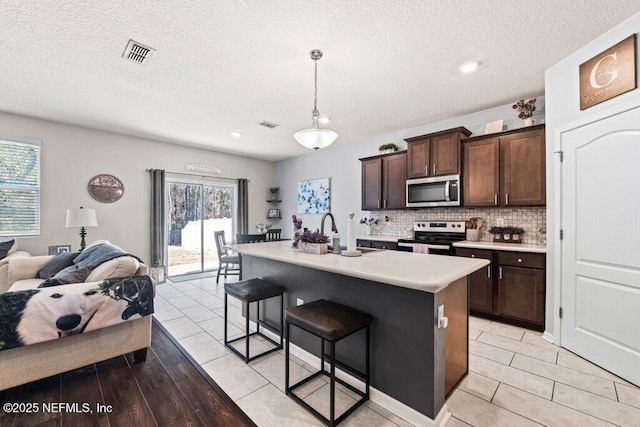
<point x="497" y="230"/>
<point x="389" y="146"/>
<point x="517" y="230"/>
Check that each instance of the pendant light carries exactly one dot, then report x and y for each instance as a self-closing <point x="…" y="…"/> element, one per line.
<point x="315" y="137"/>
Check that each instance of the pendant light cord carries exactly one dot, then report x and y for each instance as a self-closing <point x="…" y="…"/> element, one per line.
<point x="315" y="93"/>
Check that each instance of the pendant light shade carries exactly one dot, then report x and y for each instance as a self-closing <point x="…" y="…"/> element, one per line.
<point x="315" y="137"/>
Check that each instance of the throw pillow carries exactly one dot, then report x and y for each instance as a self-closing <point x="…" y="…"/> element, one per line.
<point x="117" y="268"/>
<point x="98" y="254"/>
<point x="57" y="263"/>
<point x="71" y="274"/>
<point x="5" y="247"/>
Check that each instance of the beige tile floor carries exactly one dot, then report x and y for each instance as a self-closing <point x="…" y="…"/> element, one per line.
<point x="515" y="377"/>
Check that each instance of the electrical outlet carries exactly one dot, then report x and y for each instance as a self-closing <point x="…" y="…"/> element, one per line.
<point x="500" y="222"/>
<point x="299" y="301"/>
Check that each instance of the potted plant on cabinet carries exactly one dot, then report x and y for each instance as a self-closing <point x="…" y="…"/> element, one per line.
<point x="313" y="242"/>
<point x="388" y="148"/>
<point x="516" y="234"/>
<point x="525" y="110"/>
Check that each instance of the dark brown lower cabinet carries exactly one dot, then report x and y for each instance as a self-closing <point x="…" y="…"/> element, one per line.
<point x="521" y="294"/>
<point x="511" y="289"/>
<point x="480" y="282"/>
<point x="377" y="244"/>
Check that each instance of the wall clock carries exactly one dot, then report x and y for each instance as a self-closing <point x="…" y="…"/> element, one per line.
<point x="105" y="188"/>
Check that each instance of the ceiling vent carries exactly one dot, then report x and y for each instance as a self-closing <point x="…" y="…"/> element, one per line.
<point x="268" y="124"/>
<point x="137" y="52"/>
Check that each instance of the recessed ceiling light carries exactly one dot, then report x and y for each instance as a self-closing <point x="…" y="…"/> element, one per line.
<point x="469" y="66"/>
<point x="236" y="134"/>
<point x="324" y="120"/>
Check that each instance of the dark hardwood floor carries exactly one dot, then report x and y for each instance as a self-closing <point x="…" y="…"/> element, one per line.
<point x="169" y="389"/>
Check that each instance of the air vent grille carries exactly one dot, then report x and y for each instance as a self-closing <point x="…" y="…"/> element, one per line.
<point x="268" y="124"/>
<point x="137" y="52"/>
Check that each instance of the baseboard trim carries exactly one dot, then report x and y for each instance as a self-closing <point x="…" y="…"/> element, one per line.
<point x="376" y="396"/>
<point x="546" y="335"/>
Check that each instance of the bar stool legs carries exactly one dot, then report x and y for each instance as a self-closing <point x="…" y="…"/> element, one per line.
<point x="331" y="356"/>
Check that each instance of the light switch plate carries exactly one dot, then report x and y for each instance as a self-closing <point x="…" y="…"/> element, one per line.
<point x="299" y="301"/>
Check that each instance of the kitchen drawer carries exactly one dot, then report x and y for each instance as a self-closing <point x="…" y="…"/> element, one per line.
<point x="363" y="243"/>
<point x="521" y="259"/>
<point x="475" y="253"/>
<point x="384" y="245"/>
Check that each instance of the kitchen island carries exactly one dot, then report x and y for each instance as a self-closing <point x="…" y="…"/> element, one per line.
<point x="414" y="362"/>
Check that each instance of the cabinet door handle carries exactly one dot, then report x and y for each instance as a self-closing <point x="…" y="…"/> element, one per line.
<point x="426" y="170"/>
<point x="489" y="271"/>
<point x="434" y="169"/>
<point x="473" y="256"/>
<point x="378" y="204"/>
<point x="495" y="199"/>
<point x="500" y="273"/>
<point x="385" y="203"/>
<point x="506" y="198"/>
<point x="519" y="259"/>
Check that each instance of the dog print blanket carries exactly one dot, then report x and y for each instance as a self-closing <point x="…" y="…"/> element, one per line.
<point x="37" y="315"/>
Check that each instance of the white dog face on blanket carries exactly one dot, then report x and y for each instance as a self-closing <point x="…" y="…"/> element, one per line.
<point x="59" y="311"/>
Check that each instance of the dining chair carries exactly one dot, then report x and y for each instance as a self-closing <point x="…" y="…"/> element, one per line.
<point x="273" y="235"/>
<point x="225" y="257"/>
<point x="250" y="238"/>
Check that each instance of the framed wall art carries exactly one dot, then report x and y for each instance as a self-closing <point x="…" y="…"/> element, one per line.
<point x="609" y="74"/>
<point x="313" y="196"/>
<point x="58" y="249"/>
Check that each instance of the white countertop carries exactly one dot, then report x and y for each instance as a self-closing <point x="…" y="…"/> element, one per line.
<point x="422" y="272"/>
<point x="515" y="247"/>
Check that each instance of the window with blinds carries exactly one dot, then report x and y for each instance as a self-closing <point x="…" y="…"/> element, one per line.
<point x="19" y="188"/>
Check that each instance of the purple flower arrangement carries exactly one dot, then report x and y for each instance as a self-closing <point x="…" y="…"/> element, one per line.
<point x="369" y="221"/>
<point x="314" y="237"/>
<point x="525" y="109"/>
<point x="297" y="230"/>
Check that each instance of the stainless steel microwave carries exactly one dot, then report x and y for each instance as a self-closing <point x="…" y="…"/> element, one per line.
<point x="433" y="192"/>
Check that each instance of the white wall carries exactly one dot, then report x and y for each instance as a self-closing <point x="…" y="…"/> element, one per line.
<point x="563" y="107"/>
<point x="72" y="155"/>
<point x="341" y="164"/>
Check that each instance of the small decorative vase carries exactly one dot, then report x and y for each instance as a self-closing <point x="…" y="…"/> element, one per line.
<point x="527" y="122"/>
<point x="506" y="236"/>
<point x="515" y="237"/>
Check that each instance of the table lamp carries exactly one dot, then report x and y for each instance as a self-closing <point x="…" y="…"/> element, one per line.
<point x="82" y="218"/>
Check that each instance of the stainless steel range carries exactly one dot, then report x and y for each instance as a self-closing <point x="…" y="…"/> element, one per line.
<point x="438" y="236"/>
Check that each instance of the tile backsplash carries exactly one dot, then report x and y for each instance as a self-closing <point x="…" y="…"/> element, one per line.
<point x="400" y="222"/>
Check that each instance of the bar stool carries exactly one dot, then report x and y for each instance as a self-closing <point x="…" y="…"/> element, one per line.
<point x="330" y="322"/>
<point x="248" y="291"/>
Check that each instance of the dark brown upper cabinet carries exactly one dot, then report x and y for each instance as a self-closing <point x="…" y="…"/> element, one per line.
<point x="505" y="169"/>
<point x="435" y="154"/>
<point x="384" y="181"/>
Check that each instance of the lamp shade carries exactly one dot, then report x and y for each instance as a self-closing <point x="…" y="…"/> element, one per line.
<point x="81" y="218"/>
<point x="315" y="138"/>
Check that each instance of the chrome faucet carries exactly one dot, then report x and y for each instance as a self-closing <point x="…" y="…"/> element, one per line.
<point x="333" y="222"/>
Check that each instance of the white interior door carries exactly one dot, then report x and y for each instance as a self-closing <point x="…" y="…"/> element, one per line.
<point x="601" y="246"/>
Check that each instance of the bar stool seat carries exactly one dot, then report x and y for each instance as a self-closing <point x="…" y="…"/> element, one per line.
<point x="331" y="322"/>
<point x="248" y="291"/>
<point x="253" y="289"/>
<point x="328" y="320"/>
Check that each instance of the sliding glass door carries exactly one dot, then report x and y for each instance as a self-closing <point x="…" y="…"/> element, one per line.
<point x="195" y="209"/>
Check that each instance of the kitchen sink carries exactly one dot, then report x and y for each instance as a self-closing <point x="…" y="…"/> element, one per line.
<point x="361" y="249"/>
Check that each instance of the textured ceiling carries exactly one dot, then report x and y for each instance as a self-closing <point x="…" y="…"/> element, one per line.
<point x="224" y="66"/>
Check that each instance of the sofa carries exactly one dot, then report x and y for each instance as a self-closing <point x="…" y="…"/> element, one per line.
<point x="39" y="356"/>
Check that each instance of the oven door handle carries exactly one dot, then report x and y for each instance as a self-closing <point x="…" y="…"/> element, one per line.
<point x="438" y="247"/>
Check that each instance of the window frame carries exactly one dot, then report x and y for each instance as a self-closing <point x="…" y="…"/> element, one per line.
<point x="38" y="189"/>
